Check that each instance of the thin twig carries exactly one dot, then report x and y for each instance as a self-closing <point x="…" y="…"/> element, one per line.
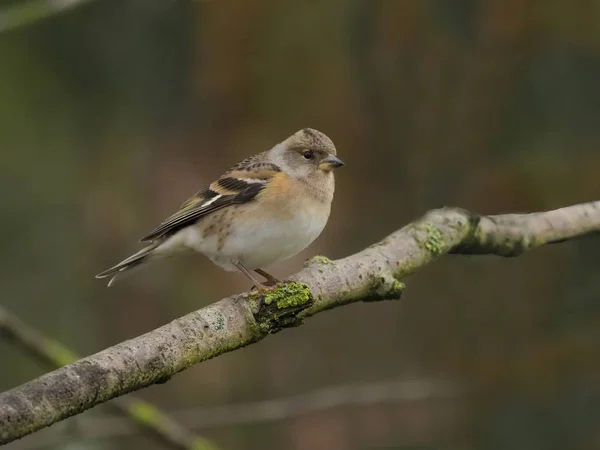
<point x="144" y="414"/>
<point x="360" y="394"/>
<point x="29" y="12"/>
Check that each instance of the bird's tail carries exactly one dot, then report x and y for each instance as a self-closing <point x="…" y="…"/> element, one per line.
<point x="135" y="260"/>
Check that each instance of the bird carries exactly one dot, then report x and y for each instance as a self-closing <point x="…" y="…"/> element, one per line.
<point x="263" y="210"/>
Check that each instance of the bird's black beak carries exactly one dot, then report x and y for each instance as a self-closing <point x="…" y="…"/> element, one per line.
<point x="330" y="163"/>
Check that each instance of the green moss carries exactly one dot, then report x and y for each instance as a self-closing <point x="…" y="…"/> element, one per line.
<point x="279" y="307"/>
<point x="384" y="288"/>
<point x="397" y="288"/>
<point x="289" y="295"/>
<point x="435" y="241"/>
<point x="318" y="259"/>
<point x="253" y="303"/>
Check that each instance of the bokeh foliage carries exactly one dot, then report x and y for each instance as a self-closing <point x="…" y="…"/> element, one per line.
<point x="111" y="114"/>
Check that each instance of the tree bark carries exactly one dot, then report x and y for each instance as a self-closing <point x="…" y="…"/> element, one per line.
<point x="144" y="415"/>
<point x="234" y="322"/>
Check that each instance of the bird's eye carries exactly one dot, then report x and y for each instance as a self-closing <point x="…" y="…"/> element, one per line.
<point x="308" y="154"/>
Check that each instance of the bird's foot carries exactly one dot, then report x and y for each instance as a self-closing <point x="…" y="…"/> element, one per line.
<point x="271" y="280"/>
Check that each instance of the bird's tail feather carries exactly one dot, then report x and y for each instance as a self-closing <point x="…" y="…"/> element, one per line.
<point x="135" y="260"/>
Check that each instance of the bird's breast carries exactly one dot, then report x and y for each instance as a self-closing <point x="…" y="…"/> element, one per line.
<point x="263" y="237"/>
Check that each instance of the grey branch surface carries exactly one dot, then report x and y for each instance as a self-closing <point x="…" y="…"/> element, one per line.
<point x="142" y="414"/>
<point x="234" y="322"/>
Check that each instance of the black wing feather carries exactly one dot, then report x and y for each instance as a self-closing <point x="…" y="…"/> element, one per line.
<point x="194" y="210"/>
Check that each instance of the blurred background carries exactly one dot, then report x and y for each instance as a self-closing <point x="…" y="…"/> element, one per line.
<point x="112" y="113"/>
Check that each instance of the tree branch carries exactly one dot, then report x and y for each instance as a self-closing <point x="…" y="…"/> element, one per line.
<point x="140" y="412"/>
<point x="243" y="319"/>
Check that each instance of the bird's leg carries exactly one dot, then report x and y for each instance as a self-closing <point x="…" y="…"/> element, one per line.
<point x="271" y="280"/>
<point x="257" y="284"/>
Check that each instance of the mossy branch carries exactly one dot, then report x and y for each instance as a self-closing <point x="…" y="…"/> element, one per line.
<point x="144" y="414"/>
<point x="234" y="322"/>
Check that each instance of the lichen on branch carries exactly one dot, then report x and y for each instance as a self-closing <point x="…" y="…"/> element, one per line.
<point x="375" y="273"/>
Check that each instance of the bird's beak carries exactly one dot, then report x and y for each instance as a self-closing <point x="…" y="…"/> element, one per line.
<point x="330" y="163"/>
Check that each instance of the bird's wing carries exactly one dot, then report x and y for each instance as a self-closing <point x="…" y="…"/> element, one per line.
<point x="240" y="184"/>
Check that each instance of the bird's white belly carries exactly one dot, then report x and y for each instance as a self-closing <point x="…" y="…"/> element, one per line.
<point x="258" y="241"/>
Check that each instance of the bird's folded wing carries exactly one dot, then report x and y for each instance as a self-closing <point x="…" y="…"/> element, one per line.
<point x="237" y="186"/>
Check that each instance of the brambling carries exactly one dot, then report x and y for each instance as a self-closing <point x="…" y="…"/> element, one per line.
<point x="263" y="210"/>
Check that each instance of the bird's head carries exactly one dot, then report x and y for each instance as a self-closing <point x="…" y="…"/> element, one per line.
<point x="306" y="154"/>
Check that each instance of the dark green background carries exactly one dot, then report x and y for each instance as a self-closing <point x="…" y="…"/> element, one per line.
<point x="113" y="113"/>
